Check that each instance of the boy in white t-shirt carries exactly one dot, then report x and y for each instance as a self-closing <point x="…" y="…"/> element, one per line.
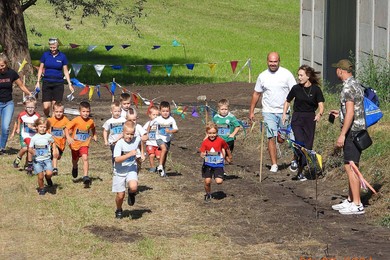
<point x="139" y="131"/>
<point x="125" y="167"/>
<point x="166" y="127"/>
<point x="113" y="127"/>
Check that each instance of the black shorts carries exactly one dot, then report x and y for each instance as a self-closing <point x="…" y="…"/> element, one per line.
<point x="351" y="152"/>
<point x="231" y="145"/>
<point x="210" y="172"/>
<point x="52" y="91"/>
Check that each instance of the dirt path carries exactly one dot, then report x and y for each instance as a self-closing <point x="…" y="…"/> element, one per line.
<point x="248" y="216"/>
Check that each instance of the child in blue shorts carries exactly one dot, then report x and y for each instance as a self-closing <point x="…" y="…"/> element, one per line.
<point x="40" y="148"/>
<point x="125" y="167"/>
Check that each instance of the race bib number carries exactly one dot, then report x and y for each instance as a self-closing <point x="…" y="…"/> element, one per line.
<point x="57" y="132"/>
<point x="213" y="158"/>
<point x="28" y="130"/>
<point x="117" y="130"/>
<point x="41" y="151"/>
<point x="81" y="135"/>
<point x="152" y="135"/>
<point x="162" y="129"/>
<point x="223" y="130"/>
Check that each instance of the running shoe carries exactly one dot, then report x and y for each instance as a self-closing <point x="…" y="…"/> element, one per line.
<point x="353" y="209"/>
<point x="293" y="166"/>
<point x="207" y="197"/>
<point x="301" y="177"/>
<point x="118" y="213"/>
<point x="75" y="172"/>
<point x="342" y="205"/>
<point x="274" y="168"/>
<point x="130" y="198"/>
<point x="16" y="162"/>
<point x="55" y="171"/>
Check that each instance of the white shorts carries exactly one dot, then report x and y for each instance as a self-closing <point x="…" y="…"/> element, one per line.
<point x="119" y="182"/>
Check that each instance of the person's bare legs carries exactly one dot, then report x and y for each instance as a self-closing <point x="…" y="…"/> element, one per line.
<point x="354" y="185"/>
<point x="272" y="150"/>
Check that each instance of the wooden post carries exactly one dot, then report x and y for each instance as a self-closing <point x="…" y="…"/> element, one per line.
<point x="261" y="148"/>
<point x="249" y="71"/>
<point x="24" y="83"/>
<point x="207" y="111"/>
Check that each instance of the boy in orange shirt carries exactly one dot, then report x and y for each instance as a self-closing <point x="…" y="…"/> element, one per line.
<point x="58" y="122"/>
<point x="82" y="128"/>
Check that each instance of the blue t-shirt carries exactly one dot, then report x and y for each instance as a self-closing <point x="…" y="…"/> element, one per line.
<point x="53" y="66"/>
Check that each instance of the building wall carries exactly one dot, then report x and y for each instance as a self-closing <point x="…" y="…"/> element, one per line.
<point x="319" y="27"/>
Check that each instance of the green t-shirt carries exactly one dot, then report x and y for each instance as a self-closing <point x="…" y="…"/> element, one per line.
<point x="226" y="125"/>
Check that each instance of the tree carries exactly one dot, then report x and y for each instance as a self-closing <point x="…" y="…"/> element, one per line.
<point x="13" y="36"/>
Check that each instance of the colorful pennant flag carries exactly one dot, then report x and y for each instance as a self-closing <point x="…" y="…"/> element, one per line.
<point x="194" y="113"/>
<point x="155" y="47"/>
<point x="212" y="67"/>
<point x="84" y="91"/>
<point x="77" y="83"/>
<point x="113" y="87"/>
<point x="234" y="65"/>
<point x="73" y="45"/>
<point x="37" y="44"/>
<point x="76" y="68"/>
<point x="98" y="90"/>
<point x="148" y="68"/>
<point x="135" y="99"/>
<point x="90" y="94"/>
<point x="175" y="43"/>
<point x="190" y="66"/>
<point x="124" y="46"/>
<point x="109" y="47"/>
<point x="24" y="62"/>
<point x="116" y="67"/>
<point x="168" y="68"/>
<point x="99" y="68"/>
<point x="91" y="47"/>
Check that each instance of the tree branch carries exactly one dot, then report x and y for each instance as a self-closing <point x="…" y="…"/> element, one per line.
<point x="27" y="4"/>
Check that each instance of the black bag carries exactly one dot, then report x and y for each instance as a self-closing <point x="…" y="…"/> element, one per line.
<point x="362" y="140"/>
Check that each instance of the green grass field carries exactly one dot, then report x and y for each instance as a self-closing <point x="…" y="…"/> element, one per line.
<point x="208" y="32"/>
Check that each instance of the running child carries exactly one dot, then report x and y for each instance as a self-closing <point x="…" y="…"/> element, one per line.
<point x="166" y="127"/>
<point x="24" y="126"/>
<point x="139" y="131"/>
<point x="113" y="127"/>
<point x="213" y="149"/>
<point x="125" y="167"/>
<point x="58" y="122"/>
<point x="151" y="144"/>
<point x="40" y="148"/>
<point x="82" y="129"/>
<point x="125" y="100"/>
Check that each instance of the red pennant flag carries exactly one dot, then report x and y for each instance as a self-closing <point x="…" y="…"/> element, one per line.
<point x="234" y="63"/>
<point x="74" y="45"/>
<point x="135" y="99"/>
<point x="84" y="91"/>
<point x="150" y="105"/>
<point x="106" y="86"/>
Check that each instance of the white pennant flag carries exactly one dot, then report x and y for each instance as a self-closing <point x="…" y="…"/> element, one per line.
<point x="99" y="68"/>
<point x="91" y="47"/>
<point x="76" y="68"/>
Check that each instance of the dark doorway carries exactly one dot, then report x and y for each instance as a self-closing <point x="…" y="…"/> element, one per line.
<point x="340" y="41"/>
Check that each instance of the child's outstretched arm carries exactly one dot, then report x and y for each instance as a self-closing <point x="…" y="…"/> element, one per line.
<point x="124" y="157"/>
<point x="142" y="148"/>
<point x="236" y="129"/>
<point x="229" y="156"/>
<point x="69" y="139"/>
<point x="94" y="135"/>
<point x="105" y="136"/>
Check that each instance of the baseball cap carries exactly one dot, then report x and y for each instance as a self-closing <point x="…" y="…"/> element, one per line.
<point x="343" y="64"/>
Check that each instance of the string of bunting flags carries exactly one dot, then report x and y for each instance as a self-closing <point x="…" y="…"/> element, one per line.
<point x="196" y="110"/>
<point x="168" y="67"/>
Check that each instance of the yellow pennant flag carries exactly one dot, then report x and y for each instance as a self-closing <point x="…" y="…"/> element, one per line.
<point x="212" y="67"/>
<point x="24" y="62"/>
<point x="90" y="94"/>
<point x="319" y="160"/>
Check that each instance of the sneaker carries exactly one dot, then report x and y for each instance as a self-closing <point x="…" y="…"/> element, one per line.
<point x="342" y="205"/>
<point x="41" y="191"/>
<point x="75" y="172"/>
<point x="353" y="209"/>
<point x="207" y="197"/>
<point x="293" y="166"/>
<point x="30" y="167"/>
<point x="86" y="181"/>
<point x="118" y="213"/>
<point x="55" y="171"/>
<point x="2" y="151"/>
<point x="16" y="162"/>
<point x="161" y="171"/>
<point x="274" y="168"/>
<point x="49" y="182"/>
<point x="130" y="198"/>
<point x="301" y="177"/>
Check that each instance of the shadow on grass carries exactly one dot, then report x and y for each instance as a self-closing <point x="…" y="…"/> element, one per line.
<point x="80" y="179"/>
<point x="53" y="189"/>
<point x="218" y="195"/>
<point x="231" y="177"/>
<point x="135" y="214"/>
<point x="172" y="174"/>
<point x="113" y="234"/>
<point x="143" y="188"/>
<point x="365" y="197"/>
<point x="11" y="151"/>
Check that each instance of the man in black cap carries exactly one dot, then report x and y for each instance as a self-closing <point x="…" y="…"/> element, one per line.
<point x="352" y="119"/>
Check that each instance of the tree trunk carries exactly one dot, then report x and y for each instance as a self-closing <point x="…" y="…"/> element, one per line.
<point x="13" y="36"/>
